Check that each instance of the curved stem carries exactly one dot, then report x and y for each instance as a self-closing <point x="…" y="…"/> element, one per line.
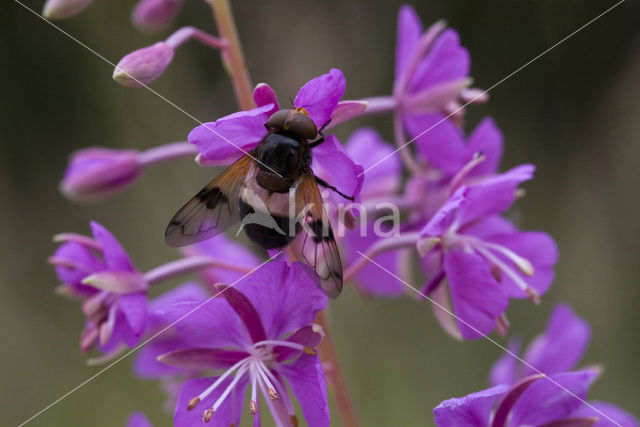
<point x="329" y="359"/>
<point x="167" y="152"/>
<point x="189" y="265"/>
<point x="233" y="56"/>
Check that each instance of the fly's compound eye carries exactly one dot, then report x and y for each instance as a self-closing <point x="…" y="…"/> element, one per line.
<point x="302" y="126"/>
<point x="278" y="119"/>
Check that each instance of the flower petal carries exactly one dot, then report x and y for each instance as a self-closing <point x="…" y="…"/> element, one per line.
<point x="563" y="343"/>
<point x="320" y="96"/>
<point x="245" y="310"/>
<point x="505" y="369"/>
<point x="409" y="31"/>
<point x="146" y="364"/>
<point x="365" y="147"/>
<point x="307" y="381"/>
<point x="444" y="217"/>
<point x="117" y="282"/>
<point x="347" y="110"/>
<point x="224" y="327"/>
<point x="617" y="414"/>
<point x="494" y="195"/>
<point x="438" y="141"/>
<point x="73" y="262"/>
<point x="447" y="60"/>
<point x="473" y="410"/>
<point x="189" y="291"/>
<point x="134" y="308"/>
<point x="477" y="298"/>
<point x="545" y="401"/>
<point x="202" y="358"/>
<point x="114" y="254"/>
<point x="341" y="171"/>
<point x="486" y="138"/>
<point x="308" y="336"/>
<point x="228" y="413"/>
<point x="284" y="296"/>
<point x="264" y="95"/>
<point x="227" y="139"/>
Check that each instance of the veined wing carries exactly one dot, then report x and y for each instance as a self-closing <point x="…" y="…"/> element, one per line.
<point x="210" y="212"/>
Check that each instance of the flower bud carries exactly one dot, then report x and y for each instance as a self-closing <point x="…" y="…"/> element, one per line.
<point x="143" y="66"/>
<point x="63" y="9"/>
<point x="97" y="173"/>
<point x="154" y="15"/>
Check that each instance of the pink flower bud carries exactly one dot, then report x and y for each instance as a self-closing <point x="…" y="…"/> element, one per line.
<point x="143" y="66"/>
<point x="63" y="9"/>
<point x="153" y="15"/>
<point x="97" y="173"/>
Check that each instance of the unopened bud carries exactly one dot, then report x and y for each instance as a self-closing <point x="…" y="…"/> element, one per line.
<point x="154" y="15"/>
<point x="63" y="9"/>
<point x="96" y="173"/>
<point x="143" y="66"/>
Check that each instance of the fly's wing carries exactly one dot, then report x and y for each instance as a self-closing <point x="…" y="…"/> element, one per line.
<point x="315" y="244"/>
<point x="214" y="209"/>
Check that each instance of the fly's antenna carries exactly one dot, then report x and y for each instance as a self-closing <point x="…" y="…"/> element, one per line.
<point x="291" y="101"/>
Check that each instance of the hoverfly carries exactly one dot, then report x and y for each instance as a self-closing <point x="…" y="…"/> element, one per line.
<point x="256" y="191"/>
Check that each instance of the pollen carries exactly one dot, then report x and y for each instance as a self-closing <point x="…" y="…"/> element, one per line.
<point x="273" y="395"/>
<point x="192" y="403"/>
<point x="207" y="415"/>
<point x="253" y="407"/>
<point x="302" y="110"/>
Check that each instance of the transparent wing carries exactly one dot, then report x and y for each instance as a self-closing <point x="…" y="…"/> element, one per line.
<point x="315" y="244"/>
<point x="210" y="212"/>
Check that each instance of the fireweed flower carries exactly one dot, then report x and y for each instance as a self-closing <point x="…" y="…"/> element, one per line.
<point x="154" y="15"/>
<point x="225" y="140"/>
<point x="431" y="74"/>
<point x="521" y="396"/>
<point x="142" y="66"/>
<point x="260" y="333"/>
<point x="97" y="173"/>
<point x="484" y="259"/>
<point x="114" y="292"/>
<point x="99" y="272"/>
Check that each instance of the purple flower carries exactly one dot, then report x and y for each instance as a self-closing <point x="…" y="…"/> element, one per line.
<point x="97" y="173"/>
<point x="154" y="15"/>
<point x="99" y="271"/>
<point x="484" y="259"/>
<point x="63" y="9"/>
<point x="259" y="334"/>
<point x="227" y="139"/>
<point x="521" y="396"/>
<point x="432" y="71"/>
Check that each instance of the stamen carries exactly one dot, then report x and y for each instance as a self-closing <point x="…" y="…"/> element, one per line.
<point x="253" y="407"/>
<point x="508" y="271"/>
<point x="271" y="390"/>
<point x="230" y="387"/>
<point x="222" y="378"/>
<point x="523" y="264"/>
<point x="310" y="351"/>
<point x="192" y="403"/>
<point x="458" y="179"/>
<point x="254" y="391"/>
<point x="274" y="343"/>
<point x="207" y="415"/>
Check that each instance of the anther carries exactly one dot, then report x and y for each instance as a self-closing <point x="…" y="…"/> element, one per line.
<point x="273" y="395"/>
<point x="253" y="407"/>
<point x="533" y="295"/>
<point x="294" y="420"/>
<point x="309" y="351"/>
<point x="192" y="403"/>
<point x="206" y="415"/>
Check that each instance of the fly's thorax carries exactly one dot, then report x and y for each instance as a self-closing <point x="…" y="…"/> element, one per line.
<point x="282" y="154"/>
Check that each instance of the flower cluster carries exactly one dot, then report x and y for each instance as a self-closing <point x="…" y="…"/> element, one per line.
<point x="541" y="388"/>
<point x="431" y="210"/>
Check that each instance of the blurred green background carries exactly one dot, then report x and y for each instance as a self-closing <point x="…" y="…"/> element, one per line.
<point x="573" y="113"/>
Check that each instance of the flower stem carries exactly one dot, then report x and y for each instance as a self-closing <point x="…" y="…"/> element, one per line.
<point x="330" y="361"/>
<point x="164" y="153"/>
<point x="189" y="265"/>
<point x="233" y="56"/>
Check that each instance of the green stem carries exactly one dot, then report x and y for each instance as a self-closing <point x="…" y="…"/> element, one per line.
<point x="233" y="56"/>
